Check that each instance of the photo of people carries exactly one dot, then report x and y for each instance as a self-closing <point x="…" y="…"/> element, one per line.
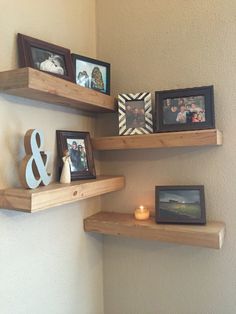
<point x="186" y="110"/>
<point x="91" y="75"/>
<point x="77" y="152"/>
<point x="135" y="114"/>
<point x="47" y="61"/>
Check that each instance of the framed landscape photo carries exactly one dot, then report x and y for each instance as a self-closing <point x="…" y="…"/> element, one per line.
<point x="185" y="109"/>
<point x="135" y="114"/>
<point x="92" y="73"/>
<point x="45" y="57"/>
<point x="78" y="145"/>
<point x="184" y="204"/>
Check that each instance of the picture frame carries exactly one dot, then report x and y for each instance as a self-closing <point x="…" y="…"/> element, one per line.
<point x="135" y="114"/>
<point x="184" y="204"/>
<point x="78" y="145"/>
<point x="91" y="73"/>
<point x="44" y="56"/>
<point x="184" y="109"/>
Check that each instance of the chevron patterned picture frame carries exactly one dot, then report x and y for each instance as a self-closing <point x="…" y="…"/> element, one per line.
<point x="135" y="114"/>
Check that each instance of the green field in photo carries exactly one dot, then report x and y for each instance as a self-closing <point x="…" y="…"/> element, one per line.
<point x="191" y="210"/>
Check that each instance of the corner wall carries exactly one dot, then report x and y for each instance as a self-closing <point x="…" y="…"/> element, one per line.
<point x="48" y="265"/>
<point x="158" y="45"/>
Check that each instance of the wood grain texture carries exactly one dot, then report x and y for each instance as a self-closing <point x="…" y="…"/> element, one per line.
<point x="159" y="140"/>
<point x="34" y="84"/>
<point x="57" y="194"/>
<point x="108" y="223"/>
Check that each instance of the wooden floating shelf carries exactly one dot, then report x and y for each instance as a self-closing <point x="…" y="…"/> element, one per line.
<point x="159" y="140"/>
<point x="34" y="84"/>
<point x="210" y="235"/>
<point x="57" y="194"/>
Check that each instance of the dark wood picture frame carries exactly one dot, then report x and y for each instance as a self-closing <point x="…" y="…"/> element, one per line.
<point x="59" y="57"/>
<point x="180" y="202"/>
<point x="168" y="105"/>
<point x="81" y="168"/>
<point x="88" y="82"/>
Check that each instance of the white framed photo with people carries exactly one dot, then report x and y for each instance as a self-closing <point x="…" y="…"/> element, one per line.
<point x="135" y="113"/>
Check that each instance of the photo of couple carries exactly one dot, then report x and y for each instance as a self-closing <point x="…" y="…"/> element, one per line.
<point x="77" y="152"/>
<point x="186" y="110"/>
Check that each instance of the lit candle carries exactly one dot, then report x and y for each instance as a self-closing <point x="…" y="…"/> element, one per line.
<point x="141" y="213"/>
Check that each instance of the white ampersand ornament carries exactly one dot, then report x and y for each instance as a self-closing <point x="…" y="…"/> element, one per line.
<point x="66" y="174"/>
<point x="33" y="170"/>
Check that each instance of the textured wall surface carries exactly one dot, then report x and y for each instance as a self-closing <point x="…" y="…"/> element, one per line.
<point x="48" y="265"/>
<point x="158" y="45"/>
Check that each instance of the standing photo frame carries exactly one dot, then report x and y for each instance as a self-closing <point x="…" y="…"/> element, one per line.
<point x="78" y="146"/>
<point x="185" y="109"/>
<point x="45" y="57"/>
<point x="92" y="73"/>
<point x="184" y="204"/>
<point x="135" y="114"/>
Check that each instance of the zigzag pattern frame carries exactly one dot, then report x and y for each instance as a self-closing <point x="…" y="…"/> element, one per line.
<point x="125" y="129"/>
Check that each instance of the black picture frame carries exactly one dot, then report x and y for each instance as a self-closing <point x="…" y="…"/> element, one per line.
<point x="196" y="103"/>
<point x="81" y="167"/>
<point x="85" y="67"/>
<point x="44" y="56"/>
<point x="183" y="204"/>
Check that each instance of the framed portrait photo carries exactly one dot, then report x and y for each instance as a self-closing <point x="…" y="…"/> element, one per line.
<point x="91" y="73"/>
<point x="78" y="146"/>
<point x="45" y="57"/>
<point x="184" y="204"/>
<point x="135" y="114"/>
<point x="185" y="109"/>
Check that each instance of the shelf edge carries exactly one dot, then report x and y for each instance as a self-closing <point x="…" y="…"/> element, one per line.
<point x="117" y="224"/>
<point x="43" y="198"/>
<point x="33" y="84"/>
<point x="209" y="137"/>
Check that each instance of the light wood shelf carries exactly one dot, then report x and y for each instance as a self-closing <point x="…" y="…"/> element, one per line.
<point x="210" y="235"/>
<point x="159" y="140"/>
<point x="57" y="194"/>
<point x="34" y="84"/>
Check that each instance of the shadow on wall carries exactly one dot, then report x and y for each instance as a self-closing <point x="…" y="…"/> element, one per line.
<point x="154" y="154"/>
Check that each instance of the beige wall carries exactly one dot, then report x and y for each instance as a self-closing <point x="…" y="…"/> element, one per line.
<point x="47" y="263"/>
<point x="158" y="45"/>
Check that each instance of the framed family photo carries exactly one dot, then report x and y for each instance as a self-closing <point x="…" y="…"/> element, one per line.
<point x="185" y="109"/>
<point x="91" y="73"/>
<point x="45" y="57"/>
<point x="78" y="146"/>
<point x="183" y="204"/>
<point x="135" y="114"/>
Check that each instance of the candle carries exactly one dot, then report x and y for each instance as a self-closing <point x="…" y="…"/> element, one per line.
<point x="141" y="213"/>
